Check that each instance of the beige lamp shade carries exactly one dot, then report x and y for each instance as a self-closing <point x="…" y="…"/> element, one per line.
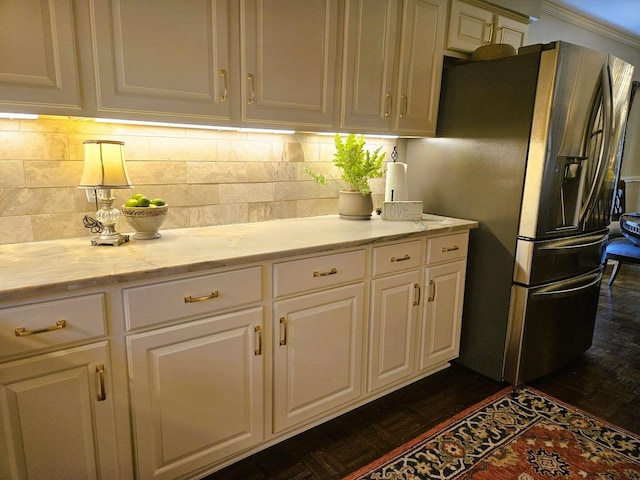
<point x="104" y="165"/>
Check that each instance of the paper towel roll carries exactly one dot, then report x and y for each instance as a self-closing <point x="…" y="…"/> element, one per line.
<point x="396" y="185"/>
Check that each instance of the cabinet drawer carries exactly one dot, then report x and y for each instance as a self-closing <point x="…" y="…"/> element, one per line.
<point x="318" y="272"/>
<point x="175" y="299"/>
<point x="397" y="257"/>
<point x="450" y="247"/>
<point x="36" y="326"/>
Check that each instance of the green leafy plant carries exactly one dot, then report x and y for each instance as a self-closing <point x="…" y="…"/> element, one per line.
<point x="357" y="165"/>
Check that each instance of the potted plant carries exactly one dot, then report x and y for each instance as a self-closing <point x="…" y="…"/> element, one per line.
<point x="357" y="166"/>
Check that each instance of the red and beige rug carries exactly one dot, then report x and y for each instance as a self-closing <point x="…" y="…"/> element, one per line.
<point x="514" y="435"/>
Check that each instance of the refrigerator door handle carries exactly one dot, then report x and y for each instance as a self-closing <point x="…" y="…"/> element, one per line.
<point x="567" y="291"/>
<point x="607" y="110"/>
<point x="565" y="246"/>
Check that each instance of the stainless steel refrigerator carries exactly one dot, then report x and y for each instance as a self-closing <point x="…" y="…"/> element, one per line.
<point x="529" y="146"/>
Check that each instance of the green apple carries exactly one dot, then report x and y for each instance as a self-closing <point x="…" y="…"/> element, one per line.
<point x="143" y="202"/>
<point x="158" y="202"/>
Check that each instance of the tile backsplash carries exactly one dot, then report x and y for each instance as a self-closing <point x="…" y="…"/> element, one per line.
<point x="207" y="177"/>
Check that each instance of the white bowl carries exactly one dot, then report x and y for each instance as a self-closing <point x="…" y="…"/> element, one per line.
<point x="146" y="221"/>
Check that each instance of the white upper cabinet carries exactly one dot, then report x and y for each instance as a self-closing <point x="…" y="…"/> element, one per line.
<point x="288" y="58"/>
<point x="165" y="59"/>
<point x="38" y="61"/>
<point x="392" y="62"/>
<point x="472" y="26"/>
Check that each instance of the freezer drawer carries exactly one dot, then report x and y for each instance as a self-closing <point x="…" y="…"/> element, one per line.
<point x="544" y="261"/>
<point x="550" y="326"/>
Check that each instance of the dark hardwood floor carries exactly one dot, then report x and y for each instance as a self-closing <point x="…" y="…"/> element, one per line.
<point x="605" y="382"/>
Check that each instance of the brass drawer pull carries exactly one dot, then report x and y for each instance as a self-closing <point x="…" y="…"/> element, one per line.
<point x="283" y="327"/>
<point x="333" y="271"/>
<point x="258" y="330"/>
<point x="102" y="396"/>
<point x="432" y="291"/>
<point x="23" y="332"/>
<point x="450" y="249"/>
<point x="401" y="259"/>
<point x="418" y="296"/>
<point x="224" y="97"/>
<point x="190" y="299"/>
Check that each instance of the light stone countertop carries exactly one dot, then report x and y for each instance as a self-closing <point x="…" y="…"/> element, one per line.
<point x="39" y="268"/>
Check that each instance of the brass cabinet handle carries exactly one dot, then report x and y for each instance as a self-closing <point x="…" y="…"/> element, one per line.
<point x="258" y="330"/>
<point x="490" y="25"/>
<point x="283" y="328"/>
<point x="432" y="291"/>
<point x="333" y="271"/>
<point x="403" y="110"/>
<point x="388" y="104"/>
<point x="190" y="299"/>
<point x="23" y="332"/>
<point x="102" y="396"/>
<point x="224" y="97"/>
<point x="450" y="249"/>
<point x="252" y="82"/>
<point x="416" y="288"/>
<point x="401" y="259"/>
<point x="501" y="30"/>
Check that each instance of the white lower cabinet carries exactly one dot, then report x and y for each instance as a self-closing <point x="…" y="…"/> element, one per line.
<point x="197" y="391"/>
<point x="395" y="302"/>
<point x="57" y="416"/>
<point x="444" y="291"/>
<point x="317" y="353"/>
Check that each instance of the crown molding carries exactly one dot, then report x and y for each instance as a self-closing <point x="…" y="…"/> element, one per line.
<point x="562" y="12"/>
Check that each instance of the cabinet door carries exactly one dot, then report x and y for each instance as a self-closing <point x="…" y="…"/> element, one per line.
<point x="470" y="27"/>
<point x="442" y="314"/>
<point x="164" y="57"/>
<point x="318" y="353"/>
<point x="288" y="56"/>
<point x="57" y="416"/>
<point x="38" y="61"/>
<point x="511" y="31"/>
<point x="394" y="307"/>
<point x="197" y="391"/>
<point x="369" y="50"/>
<point x="421" y="55"/>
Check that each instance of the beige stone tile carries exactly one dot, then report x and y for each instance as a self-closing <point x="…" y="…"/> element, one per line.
<point x="59" y="225"/>
<point x="33" y="146"/>
<point x="271" y="172"/>
<point x="246" y="151"/>
<point x="159" y="173"/>
<point x="219" y="214"/>
<point x="12" y="175"/>
<point x="262" y="211"/>
<point x="216" y="172"/>
<point x="314" y="207"/>
<point x="186" y="149"/>
<point x="328" y="169"/>
<point x="32" y="201"/>
<point x="16" y="229"/>
<point x="52" y="174"/>
<point x="135" y="148"/>
<point x="246" y="192"/>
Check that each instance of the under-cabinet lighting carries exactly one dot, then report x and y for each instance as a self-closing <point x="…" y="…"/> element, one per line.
<point x="267" y="130"/>
<point x="366" y="135"/>
<point x="164" y="124"/>
<point x="19" y="116"/>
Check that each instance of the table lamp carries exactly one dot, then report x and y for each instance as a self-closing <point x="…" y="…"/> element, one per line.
<point x="104" y="170"/>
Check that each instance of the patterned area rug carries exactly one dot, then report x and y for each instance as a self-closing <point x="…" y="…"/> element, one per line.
<point x="514" y="435"/>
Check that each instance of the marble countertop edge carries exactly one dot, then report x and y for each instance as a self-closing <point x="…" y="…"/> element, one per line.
<point x="69" y="265"/>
